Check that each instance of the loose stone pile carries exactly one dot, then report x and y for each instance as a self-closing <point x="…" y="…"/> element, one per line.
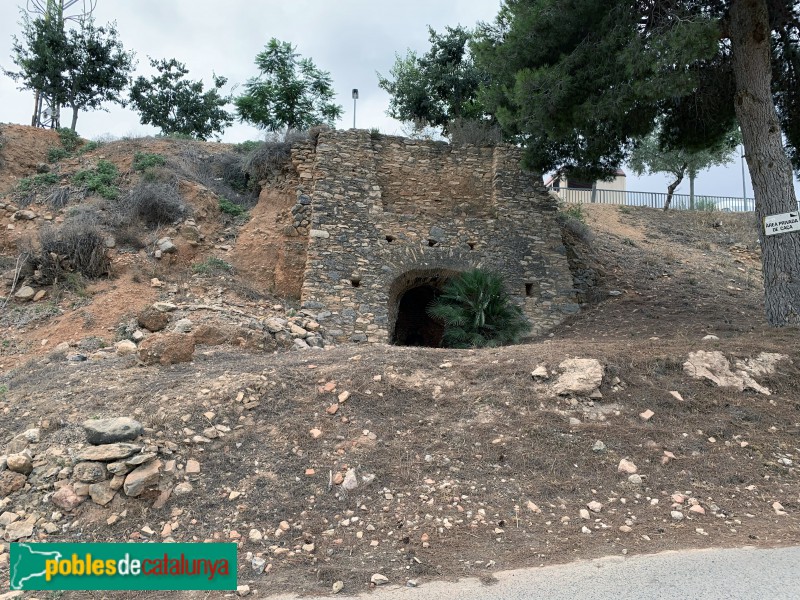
<point x="117" y="462"/>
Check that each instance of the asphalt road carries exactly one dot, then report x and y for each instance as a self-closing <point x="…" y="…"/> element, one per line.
<point x="737" y="574"/>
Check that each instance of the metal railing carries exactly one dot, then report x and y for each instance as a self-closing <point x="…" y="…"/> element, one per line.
<point x="654" y="199"/>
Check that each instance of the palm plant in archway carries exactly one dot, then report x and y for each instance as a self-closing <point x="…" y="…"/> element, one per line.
<point x="477" y="312"/>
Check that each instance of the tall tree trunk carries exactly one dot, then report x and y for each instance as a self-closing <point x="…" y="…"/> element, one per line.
<point x="74" y="118"/>
<point x="37" y="103"/>
<point x="770" y="168"/>
<point x="692" y="175"/>
<point x="673" y="186"/>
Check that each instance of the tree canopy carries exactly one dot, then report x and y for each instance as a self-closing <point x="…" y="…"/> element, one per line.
<point x="289" y="92"/>
<point x="439" y="87"/>
<point x="577" y="81"/>
<point x="178" y="105"/>
<point x="81" y="68"/>
<point x="649" y="156"/>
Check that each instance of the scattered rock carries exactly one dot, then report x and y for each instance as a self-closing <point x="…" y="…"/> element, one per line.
<point x="635" y="479"/>
<point x="677" y="396"/>
<point x="183" y="488"/>
<point x="11" y="482"/>
<point x="109" y="431"/>
<point x="627" y="467"/>
<point x="378" y="579"/>
<point x="65" y="498"/>
<point x="152" y="319"/>
<point x="101" y="493"/>
<point x="676" y="515"/>
<point x="141" y="477"/>
<point x="540" y="373"/>
<point x="580" y="377"/>
<point x="595" y="506"/>
<point x="167" y="349"/>
<point x="107" y="452"/>
<point x="599" y="446"/>
<point x="714" y="366"/>
<point x="192" y="467"/>
<point x="337" y="587"/>
<point x="125" y="347"/>
<point x="350" y="480"/>
<point x="19" y="463"/>
<point x="18" y="530"/>
<point x="778" y="508"/>
<point x="25" y="293"/>
<point x="646" y="415"/>
<point x="183" y="326"/>
<point x="90" y="472"/>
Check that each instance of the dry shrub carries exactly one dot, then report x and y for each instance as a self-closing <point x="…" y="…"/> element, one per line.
<point x="474" y="132"/>
<point x="579" y="229"/>
<point x="268" y="160"/>
<point x="155" y="203"/>
<point x="78" y="246"/>
<point x="59" y="198"/>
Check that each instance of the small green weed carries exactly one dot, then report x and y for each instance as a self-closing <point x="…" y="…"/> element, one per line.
<point x="212" y="265"/>
<point x="625" y="210"/>
<point x="56" y="154"/>
<point x="101" y="180"/>
<point x="229" y="208"/>
<point x="374" y="133"/>
<point x="147" y="160"/>
<point x="69" y="139"/>
<point x="575" y="211"/>
<point x="629" y="242"/>
<point x="3" y="391"/>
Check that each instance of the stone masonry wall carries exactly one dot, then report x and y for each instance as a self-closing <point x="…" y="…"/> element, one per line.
<point x="388" y="214"/>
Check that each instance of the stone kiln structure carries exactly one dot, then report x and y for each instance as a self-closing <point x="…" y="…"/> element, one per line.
<point x="389" y="219"/>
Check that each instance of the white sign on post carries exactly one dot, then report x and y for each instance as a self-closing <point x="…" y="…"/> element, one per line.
<point x="783" y="223"/>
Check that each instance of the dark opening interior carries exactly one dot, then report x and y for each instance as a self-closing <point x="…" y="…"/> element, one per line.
<point x="529" y="289"/>
<point x="413" y="326"/>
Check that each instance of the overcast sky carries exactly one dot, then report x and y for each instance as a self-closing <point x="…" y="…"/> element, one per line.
<point x="352" y="39"/>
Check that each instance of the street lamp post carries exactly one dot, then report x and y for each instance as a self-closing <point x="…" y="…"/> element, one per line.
<point x="355" y="97"/>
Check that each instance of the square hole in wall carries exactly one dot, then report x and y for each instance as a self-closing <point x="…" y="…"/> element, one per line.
<point x="529" y="289"/>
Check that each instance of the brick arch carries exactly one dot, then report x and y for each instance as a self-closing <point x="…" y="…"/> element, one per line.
<point x="408" y="297"/>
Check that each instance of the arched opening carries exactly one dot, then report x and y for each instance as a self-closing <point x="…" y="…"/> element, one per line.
<point x="409" y="298"/>
<point x="413" y="326"/>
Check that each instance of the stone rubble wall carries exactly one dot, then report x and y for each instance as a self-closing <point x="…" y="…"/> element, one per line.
<point x="384" y="214"/>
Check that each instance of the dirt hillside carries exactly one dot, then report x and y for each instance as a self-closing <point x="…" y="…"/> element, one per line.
<point x="665" y="415"/>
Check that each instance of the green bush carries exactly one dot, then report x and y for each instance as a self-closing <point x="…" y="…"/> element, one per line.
<point x="37" y="182"/>
<point x="101" y="180"/>
<point x="69" y="139"/>
<point x="147" y="160"/>
<point x="477" y="312"/>
<point x="229" y="208"/>
<point x="56" y="154"/>
<point x="89" y="146"/>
